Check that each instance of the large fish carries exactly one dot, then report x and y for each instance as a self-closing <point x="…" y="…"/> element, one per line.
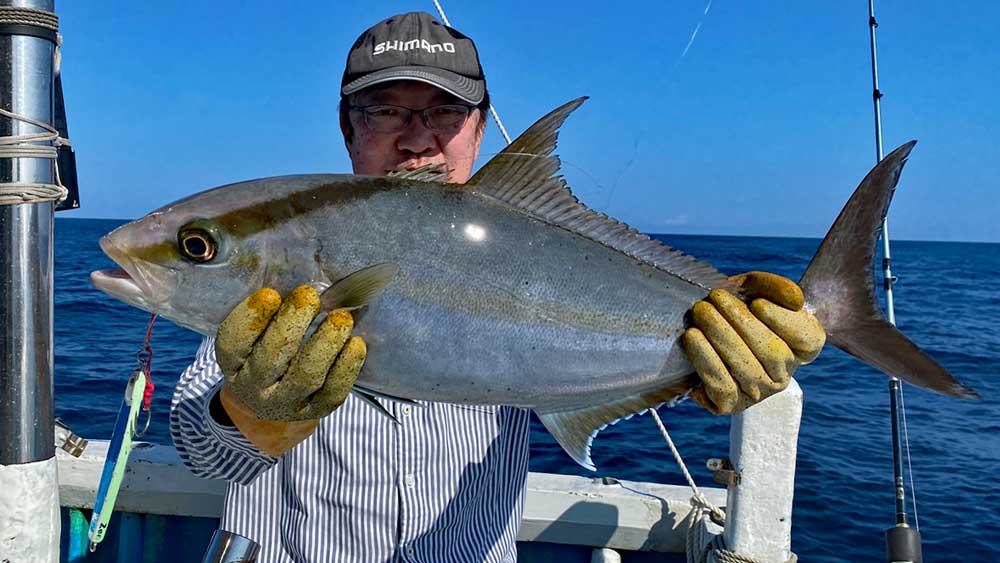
<point x="504" y="290"/>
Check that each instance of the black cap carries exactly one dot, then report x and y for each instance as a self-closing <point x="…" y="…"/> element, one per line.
<point x="415" y="46"/>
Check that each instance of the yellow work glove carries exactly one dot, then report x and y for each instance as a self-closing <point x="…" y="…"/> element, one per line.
<point x="746" y="354"/>
<point x="276" y="387"/>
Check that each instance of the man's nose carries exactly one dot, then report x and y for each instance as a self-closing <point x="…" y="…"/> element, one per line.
<point x="416" y="137"/>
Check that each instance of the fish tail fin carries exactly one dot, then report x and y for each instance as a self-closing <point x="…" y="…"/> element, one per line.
<point x="839" y="287"/>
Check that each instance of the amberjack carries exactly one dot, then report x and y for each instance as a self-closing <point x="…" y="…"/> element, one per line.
<point x="505" y="290"/>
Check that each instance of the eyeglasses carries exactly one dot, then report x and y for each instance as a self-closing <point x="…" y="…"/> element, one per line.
<point x="446" y="118"/>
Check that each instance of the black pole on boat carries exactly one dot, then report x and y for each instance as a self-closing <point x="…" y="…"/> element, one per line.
<point x="902" y="543"/>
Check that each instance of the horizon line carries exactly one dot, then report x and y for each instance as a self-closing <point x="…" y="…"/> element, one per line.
<point x="668" y="234"/>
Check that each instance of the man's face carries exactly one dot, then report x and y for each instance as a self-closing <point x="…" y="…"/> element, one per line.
<point x="375" y="153"/>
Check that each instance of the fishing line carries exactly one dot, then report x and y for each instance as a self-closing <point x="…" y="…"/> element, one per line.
<point x="493" y="111"/>
<point x="565" y="163"/>
<point x="503" y="130"/>
<point x="693" y="34"/>
<point x="909" y="465"/>
<point x="635" y="155"/>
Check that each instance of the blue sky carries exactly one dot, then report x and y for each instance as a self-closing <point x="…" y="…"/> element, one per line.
<point x="763" y="127"/>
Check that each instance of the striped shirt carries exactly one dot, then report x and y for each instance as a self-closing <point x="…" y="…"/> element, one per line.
<point x="445" y="484"/>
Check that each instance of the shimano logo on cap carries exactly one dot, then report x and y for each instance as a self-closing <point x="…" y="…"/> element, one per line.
<point x="398" y="45"/>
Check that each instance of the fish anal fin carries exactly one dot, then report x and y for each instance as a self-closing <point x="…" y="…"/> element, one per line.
<point x="576" y="429"/>
<point x="525" y="175"/>
<point x="359" y="288"/>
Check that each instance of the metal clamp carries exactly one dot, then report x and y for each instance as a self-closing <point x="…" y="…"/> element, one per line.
<point x="67" y="440"/>
<point x="723" y="471"/>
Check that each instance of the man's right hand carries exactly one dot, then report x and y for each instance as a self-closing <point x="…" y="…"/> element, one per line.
<point x="277" y="388"/>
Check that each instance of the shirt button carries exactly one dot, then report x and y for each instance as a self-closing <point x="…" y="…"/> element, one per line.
<point x="406" y="410"/>
<point x="409" y="480"/>
<point x="409" y="551"/>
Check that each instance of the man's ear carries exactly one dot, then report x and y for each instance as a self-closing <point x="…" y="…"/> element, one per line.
<point x="480" y="130"/>
<point x="346" y="129"/>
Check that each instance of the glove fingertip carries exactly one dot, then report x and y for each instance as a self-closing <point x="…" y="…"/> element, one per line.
<point x="779" y="289"/>
<point x="264" y="298"/>
<point x="699" y="396"/>
<point x="691" y="337"/>
<point x="703" y="313"/>
<point x="791" y="297"/>
<point x="304" y="297"/>
<point x="340" y="318"/>
<point x="357" y="346"/>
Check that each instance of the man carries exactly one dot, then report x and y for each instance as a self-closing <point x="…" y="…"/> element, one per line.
<point x="319" y="475"/>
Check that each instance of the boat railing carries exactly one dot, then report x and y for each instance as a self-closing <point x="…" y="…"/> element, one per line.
<point x="563" y="510"/>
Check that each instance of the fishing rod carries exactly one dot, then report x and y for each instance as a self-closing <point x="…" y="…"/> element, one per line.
<point x="902" y="543"/>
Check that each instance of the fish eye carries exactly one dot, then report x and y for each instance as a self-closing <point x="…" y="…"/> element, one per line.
<point x="197" y="245"/>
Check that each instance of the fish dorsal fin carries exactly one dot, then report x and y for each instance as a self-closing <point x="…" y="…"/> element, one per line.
<point x="525" y="176"/>
<point x="427" y="173"/>
<point x="575" y="429"/>
<point x="359" y="288"/>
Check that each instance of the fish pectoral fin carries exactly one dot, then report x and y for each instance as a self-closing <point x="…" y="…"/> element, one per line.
<point x="358" y="289"/>
<point x="370" y="399"/>
<point x="575" y="429"/>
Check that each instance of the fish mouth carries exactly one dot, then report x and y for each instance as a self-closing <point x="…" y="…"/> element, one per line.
<point x="132" y="283"/>
<point x="119" y="284"/>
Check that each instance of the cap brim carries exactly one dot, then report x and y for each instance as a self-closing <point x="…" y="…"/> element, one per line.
<point x="468" y="89"/>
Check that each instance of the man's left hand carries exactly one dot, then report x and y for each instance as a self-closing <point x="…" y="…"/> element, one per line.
<point x="746" y="354"/>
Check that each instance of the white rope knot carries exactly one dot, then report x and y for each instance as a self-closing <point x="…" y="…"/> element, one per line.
<point x="722" y="555"/>
<point x="26" y="146"/>
<point x="699" y="502"/>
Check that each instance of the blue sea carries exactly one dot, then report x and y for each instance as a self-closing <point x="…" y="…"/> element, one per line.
<point x="946" y="301"/>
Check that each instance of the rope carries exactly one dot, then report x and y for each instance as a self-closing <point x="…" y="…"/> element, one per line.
<point x="29" y="16"/>
<point x="696" y="546"/>
<point x="698" y="499"/>
<point x="24" y="146"/>
<point x="493" y="111"/>
<point x="21" y="146"/>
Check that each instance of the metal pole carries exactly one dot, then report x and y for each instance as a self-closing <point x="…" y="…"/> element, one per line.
<point x="28" y="485"/>
<point x="26" y="418"/>
<point x="901" y="539"/>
